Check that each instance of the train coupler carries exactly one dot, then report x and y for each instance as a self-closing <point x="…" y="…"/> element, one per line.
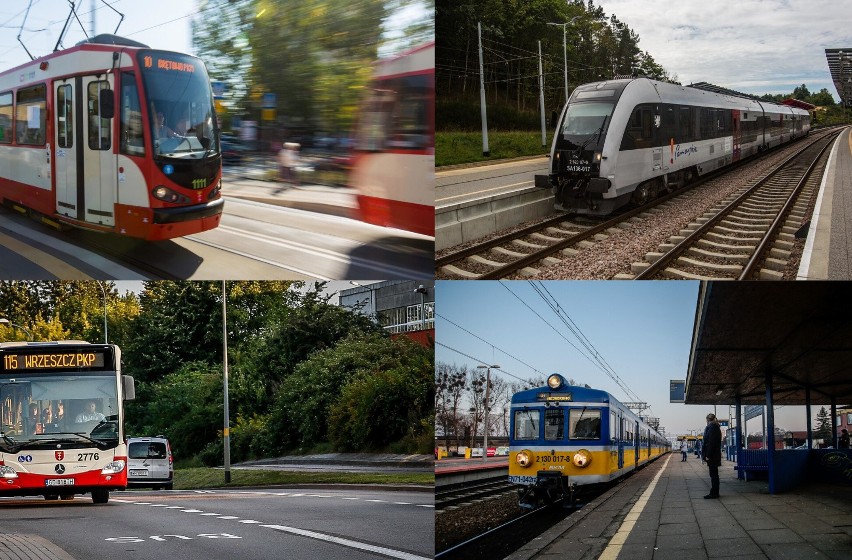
<point x="549" y="487"/>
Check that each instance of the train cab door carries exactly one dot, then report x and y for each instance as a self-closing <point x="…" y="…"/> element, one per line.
<point x="85" y="164"/>
<point x="65" y="148"/>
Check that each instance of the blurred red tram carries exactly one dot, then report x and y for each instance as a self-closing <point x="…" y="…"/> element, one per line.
<point x="81" y="143"/>
<point x="393" y="168"/>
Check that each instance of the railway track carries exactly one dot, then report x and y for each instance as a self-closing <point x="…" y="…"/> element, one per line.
<point x="751" y="236"/>
<point x="527" y="251"/>
<point x="484" y="489"/>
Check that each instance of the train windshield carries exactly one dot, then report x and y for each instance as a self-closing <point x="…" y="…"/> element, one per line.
<point x="180" y="105"/>
<point x="586" y="119"/>
<point x="584" y="424"/>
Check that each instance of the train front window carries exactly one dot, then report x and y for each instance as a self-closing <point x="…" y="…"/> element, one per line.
<point x="554" y="423"/>
<point x="584" y="423"/>
<point x="586" y="119"/>
<point x="180" y="105"/>
<point x="527" y="423"/>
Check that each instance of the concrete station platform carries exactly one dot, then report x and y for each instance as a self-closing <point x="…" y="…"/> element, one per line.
<point x="660" y="513"/>
<point x="828" y="249"/>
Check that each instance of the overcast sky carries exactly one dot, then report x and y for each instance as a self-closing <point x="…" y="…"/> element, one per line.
<point x="643" y="330"/>
<point x="753" y="46"/>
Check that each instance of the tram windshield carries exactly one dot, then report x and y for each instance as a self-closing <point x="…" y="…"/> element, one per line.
<point x="586" y="119"/>
<point x="44" y="410"/>
<point x="180" y="105"/>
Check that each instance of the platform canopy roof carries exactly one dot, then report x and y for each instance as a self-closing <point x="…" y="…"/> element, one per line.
<point x="840" y="65"/>
<point x="799" y="104"/>
<point x="801" y="332"/>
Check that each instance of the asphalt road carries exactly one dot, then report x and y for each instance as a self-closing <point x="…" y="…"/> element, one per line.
<point x="247" y="524"/>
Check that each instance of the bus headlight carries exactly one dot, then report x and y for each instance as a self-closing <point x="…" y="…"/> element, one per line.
<point x="523" y="458"/>
<point x="114" y="467"/>
<point x="555" y="381"/>
<point x="8" y="472"/>
<point x="582" y="458"/>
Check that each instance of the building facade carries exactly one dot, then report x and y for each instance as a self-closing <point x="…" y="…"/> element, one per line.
<point x="402" y="307"/>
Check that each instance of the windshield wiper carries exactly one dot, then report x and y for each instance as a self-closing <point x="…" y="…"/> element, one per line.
<point x="9" y="445"/>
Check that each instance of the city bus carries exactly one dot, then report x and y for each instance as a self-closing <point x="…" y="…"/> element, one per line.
<point x="114" y="137"/>
<point x="62" y="413"/>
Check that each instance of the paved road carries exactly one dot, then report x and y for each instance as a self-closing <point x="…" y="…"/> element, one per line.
<point x="356" y="524"/>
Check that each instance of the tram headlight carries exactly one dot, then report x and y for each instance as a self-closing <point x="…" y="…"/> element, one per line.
<point x="215" y="191"/>
<point x="523" y="458"/>
<point x="168" y="195"/>
<point x="8" y="472"/>
<point x="114" y="467"/>
<point x="555" y="381"/>
<point x="582" y="458"/>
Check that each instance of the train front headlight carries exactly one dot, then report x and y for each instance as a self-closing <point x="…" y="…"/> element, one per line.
<point x="555" y="381"/>
<point x="523" y="458"/>
<point x="582" y="458"/>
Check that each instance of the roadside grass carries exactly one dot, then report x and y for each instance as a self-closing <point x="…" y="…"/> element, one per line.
<point x="453" y="148"/>
<point x="201" y="477"/>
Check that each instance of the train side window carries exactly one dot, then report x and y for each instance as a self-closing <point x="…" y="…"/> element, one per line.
<point x="100" y="136"/>
<point x="527" y="423"/>
<point x="131" y="141"/>
<point x="613" y="426"/>
<point x="30" y="115"/>
<point x="554" y="423"/>
<point x="640" y="129"/>
<point x="64" y="117"/>
<point x="686" y="124"/>
<point x="6" y="112"/>
<point x="584" y="424"/>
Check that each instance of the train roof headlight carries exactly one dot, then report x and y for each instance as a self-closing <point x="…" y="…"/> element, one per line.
<point x="555" y="381"/>
<point x="523" y="458"/>
<point x="582" y="458"/>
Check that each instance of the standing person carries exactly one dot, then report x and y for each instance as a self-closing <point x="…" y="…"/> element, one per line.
<point x="711" y="452"/>
<point x="843" y="443"/>
<point x="683" y="450"/>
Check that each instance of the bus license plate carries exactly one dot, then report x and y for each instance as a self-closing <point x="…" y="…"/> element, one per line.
<point x="138" y="473"/>
<point x="59" y="482"/>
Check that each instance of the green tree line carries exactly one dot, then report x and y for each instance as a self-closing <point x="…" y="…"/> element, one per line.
<point x="316" y="55"/>
<point x="304" y="375"/>
<point x="598" y="47"/>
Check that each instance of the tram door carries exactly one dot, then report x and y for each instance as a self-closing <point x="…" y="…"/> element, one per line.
<point x="85" y="164"/>
<point x="620" y="443"/>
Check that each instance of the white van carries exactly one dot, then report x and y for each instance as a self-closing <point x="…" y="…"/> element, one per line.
<point x="150" y="462"/>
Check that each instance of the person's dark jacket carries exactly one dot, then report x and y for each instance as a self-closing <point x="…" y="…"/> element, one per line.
<point x="711" y="450"/>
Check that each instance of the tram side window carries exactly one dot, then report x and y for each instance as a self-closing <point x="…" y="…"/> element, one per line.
<point x="584" y="424"/>
<point x="409" y="126"/>
<point x="554" y="423"/>
<point x="527" y="423"/>
<point x="130" y="133"/>
<point x="30" y="115"/>
<point x="6" y="133"/>
<point x="64" y="117"/>
<point x="100" y="137"/>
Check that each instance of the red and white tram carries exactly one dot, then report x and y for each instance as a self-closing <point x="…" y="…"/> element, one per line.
<point x="393" y="167"/>
<point x="112" y="136"/>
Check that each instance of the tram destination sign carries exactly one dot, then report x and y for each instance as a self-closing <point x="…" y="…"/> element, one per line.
<point x="44" y="361"/>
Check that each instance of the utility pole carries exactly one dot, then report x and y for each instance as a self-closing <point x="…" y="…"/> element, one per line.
<point x="485" y="151"/>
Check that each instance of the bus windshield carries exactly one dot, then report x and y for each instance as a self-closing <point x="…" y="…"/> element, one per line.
<point x="180" y="105"/>
<point x="75" y="410"/>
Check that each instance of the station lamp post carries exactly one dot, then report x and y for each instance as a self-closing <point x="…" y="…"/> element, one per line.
<point x="487" y="408"/>
<point x="5" y="321"/>
<point x="565" y="49"/>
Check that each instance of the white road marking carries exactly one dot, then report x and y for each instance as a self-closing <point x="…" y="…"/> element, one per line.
<point x="348" y="543"/>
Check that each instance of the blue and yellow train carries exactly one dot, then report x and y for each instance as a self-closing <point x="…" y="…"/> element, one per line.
<point x="563" y="436"/>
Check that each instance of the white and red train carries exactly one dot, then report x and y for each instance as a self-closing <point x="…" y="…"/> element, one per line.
<point x="393" y="166"/>
<point x="629" y="140"/>
<point x="112" y="136"/>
